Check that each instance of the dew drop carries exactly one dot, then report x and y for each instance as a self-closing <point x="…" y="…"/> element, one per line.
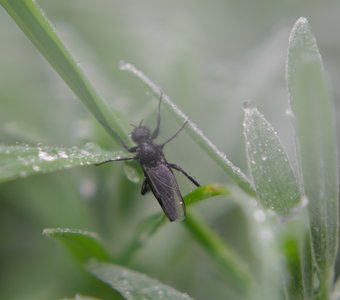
<point x="131" y="174"/>
<point x="62" y="154"/>
<point x="259" y="215"/>
<point x="46" y="156"/>
<point x="91" y="148"/>
<point x="85" y="152"/>
<point x="122" y="64"/>
<point x="36" y="168"/>
<point x="290" y="113"/>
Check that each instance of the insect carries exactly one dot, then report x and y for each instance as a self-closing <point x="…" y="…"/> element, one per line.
<point x="158" y="173"/>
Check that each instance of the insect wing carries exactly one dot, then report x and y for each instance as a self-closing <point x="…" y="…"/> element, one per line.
<point x="165" y="188"/>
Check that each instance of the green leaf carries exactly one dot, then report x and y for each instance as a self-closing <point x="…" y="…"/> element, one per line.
<point x="198" y="136"/>
<point x="274" y="180"/>
<point x="133" y="285"/>
<point x="83" y="245"/>
<point x="23" y="160"/>
<point x="33" y="22"/>
<point x="312" y="116"/>
<point x="204" y="192"/>
<point x="297" y="249"/>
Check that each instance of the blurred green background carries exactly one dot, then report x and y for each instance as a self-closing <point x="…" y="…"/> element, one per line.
<point x="209" y="57"/>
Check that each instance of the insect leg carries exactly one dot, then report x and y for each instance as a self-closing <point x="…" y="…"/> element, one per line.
<point x="117" y="159"/>
<point x="118" y="138"/>
<point x="145" y="187"/>
<point x="177" y="132"/>
<point x="178" y="168"/>
<point x="156" y="131"/>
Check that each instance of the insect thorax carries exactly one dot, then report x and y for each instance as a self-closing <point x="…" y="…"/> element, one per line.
<point x="149" y="154"/>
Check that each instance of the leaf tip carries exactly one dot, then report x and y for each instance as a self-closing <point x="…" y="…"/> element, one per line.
<point x="301" y="32"/>
<point x="47" y="232"/>
<point x="301" y="24"/>
<point x="249" y="108"/>
<point x="302" y="21"/>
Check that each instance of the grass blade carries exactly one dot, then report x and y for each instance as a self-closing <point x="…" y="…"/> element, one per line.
<point x="133" y="285"/>
<point x="23" y="160"/>
<point x="82" y="245"/>
<point x="313" y="120"/>
<point x="32" y="21"/>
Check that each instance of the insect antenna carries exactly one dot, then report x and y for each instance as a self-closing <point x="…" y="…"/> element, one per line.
<point x="156" y="131"/>
<point x="177" y="132"/>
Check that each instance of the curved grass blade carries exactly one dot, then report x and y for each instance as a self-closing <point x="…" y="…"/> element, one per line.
<point x="313" y="120"/>
<point x="205" y="192"/>
<point x="88" y="250"/>
<point x="23" y="160"/>
<point x="197" y="135"/>
<point x="273" y="177"/>
<point x="133" y="285"/>
<point x="33" y="22"/>
<point x="83" y="245"/>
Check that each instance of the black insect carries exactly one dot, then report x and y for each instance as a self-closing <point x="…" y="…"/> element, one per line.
<point x="158" y="175"/>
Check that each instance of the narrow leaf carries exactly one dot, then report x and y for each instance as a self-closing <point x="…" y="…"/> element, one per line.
<point x="133" y="285"/>
<point x="274" y="180"/>
<point x="312" y="111"/>
<point x="82" y="245"/>
<point x="33" y="22"/>
<point x="23" y="160"/>
<point x="204" y="192"/>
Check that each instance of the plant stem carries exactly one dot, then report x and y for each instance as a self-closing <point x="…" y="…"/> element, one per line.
<point x="237" y="272"/>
